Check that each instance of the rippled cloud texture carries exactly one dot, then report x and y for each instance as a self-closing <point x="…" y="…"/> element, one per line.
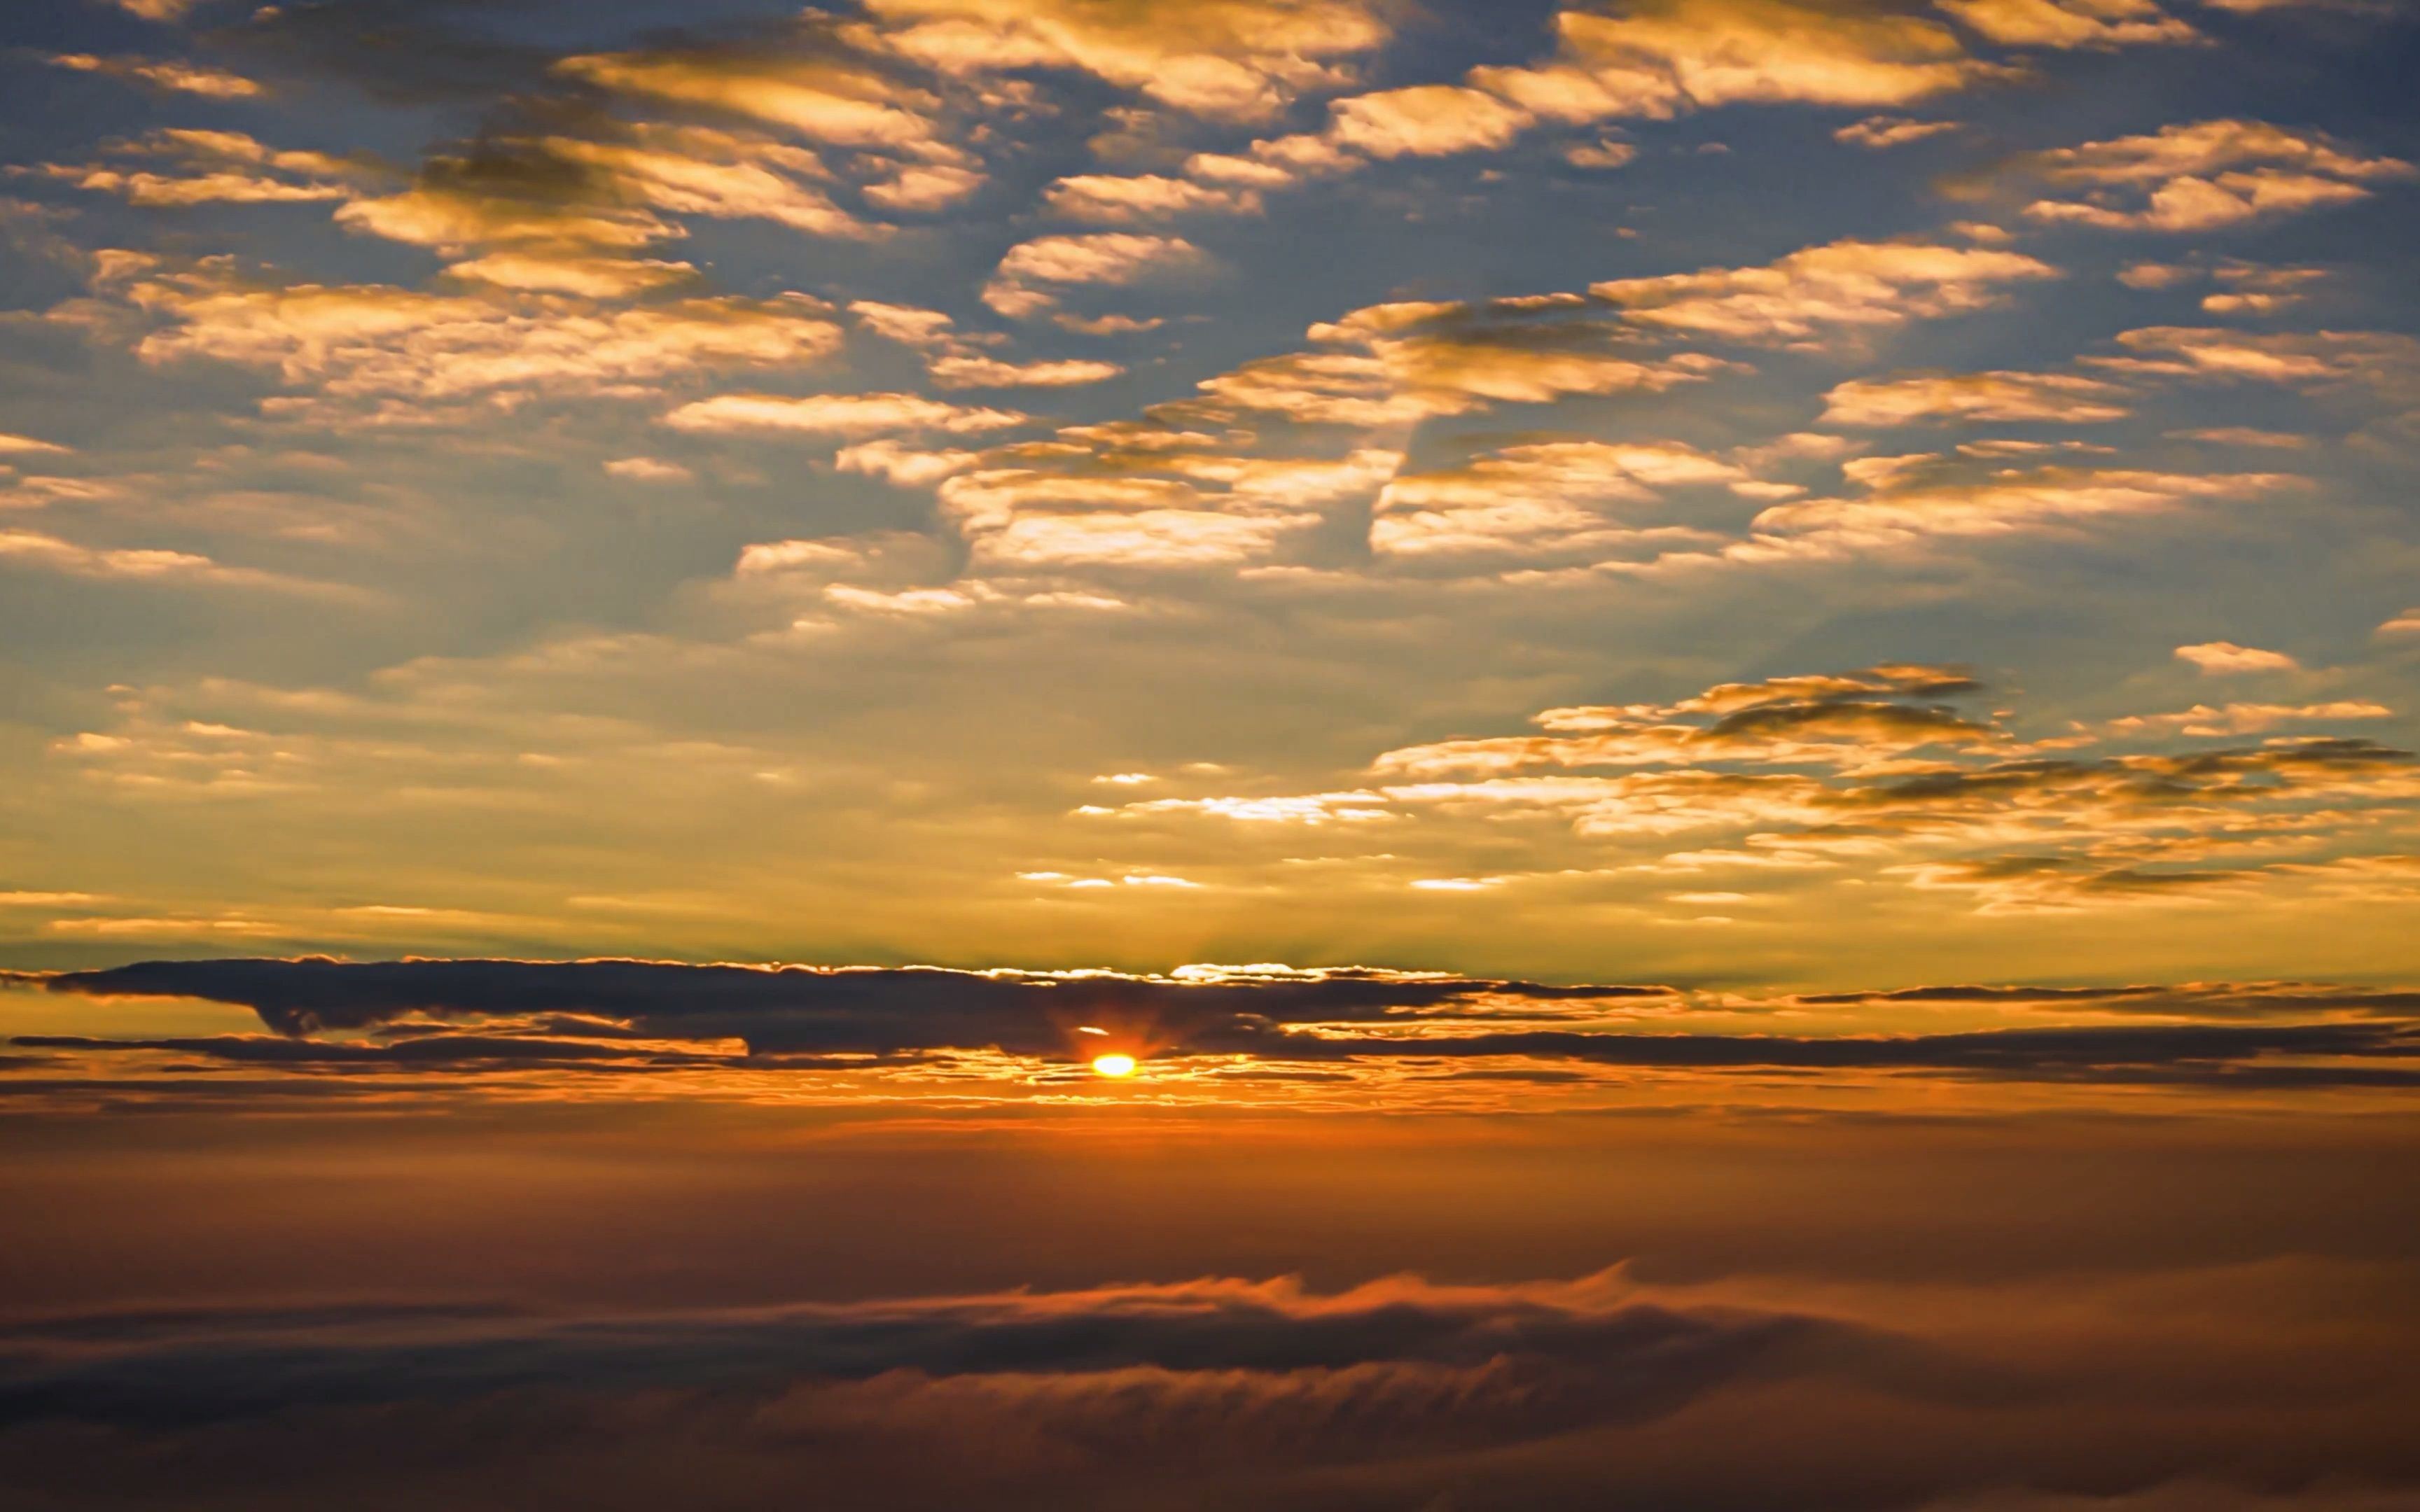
<point x="1237" y="753"/>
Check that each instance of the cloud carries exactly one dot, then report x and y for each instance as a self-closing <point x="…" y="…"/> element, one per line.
<point x="594" y="278"/>
<point x="862" y="1011"/>
<point x="171" y="74"/>
<point x="39" y="549"/>
<point x="2247" y="718"/>
<point x="1878" y="132"/>
<point x="1426" y="120"/>
<point x="589" y="1009"/>
<point x="973" y="372"/>
<point x="2407" y="622"/>
<point x="648" y="469"/>
<point x="1180" y="507"/>
<point x="1538" y="500"/>
<point x="819" y="91"/>
<point x="1124" y="199"/>
<point x="1227" y="59"/>
<point x="2215" y="657"/>
<point x="1879" y="768"/>
<point x="1110" y="257"/>
<point x="216" y="167"/>
<point x="2315" y="359"/>
<point x="1655" y="60"/>
<point x="1973" y="396"/>
<point x="925" y="187"/>
<point x="2201" y="176"/>
<point x="2068" y="24"/>
<point x="834" y="415"/>
<point x="364" y="341"/>
<point x="1820" y="293"/>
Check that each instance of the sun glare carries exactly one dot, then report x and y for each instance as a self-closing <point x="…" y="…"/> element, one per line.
<point x="1114" y="1065"/>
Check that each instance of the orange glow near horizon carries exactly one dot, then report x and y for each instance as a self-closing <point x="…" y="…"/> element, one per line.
<point x="1114" y="1066"/>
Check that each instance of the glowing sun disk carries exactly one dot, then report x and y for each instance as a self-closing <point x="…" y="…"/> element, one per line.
<point x="1114" y="1065"/>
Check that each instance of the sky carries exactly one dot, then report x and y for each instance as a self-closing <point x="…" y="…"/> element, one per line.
<point x="1712" y="702"/>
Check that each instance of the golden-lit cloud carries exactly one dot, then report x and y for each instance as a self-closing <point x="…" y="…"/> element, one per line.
<point x="1878" y="132"/>
<point x="1116" y="199"/>
<point x="2067" y="23"/>
<point x="1536" y="502"/>
<point x="2201" y="176"/>
<point x="175" y="75"/>
<point x="977" y="372"/>
<point x="595" y="278"/>
<point x="1653" y="59"/>
<point x="823" y="98"/>
<point x="198" y="167"/>
<point x="1427" y="120"/>
<point x="2224" y="356"/>
<point x="1233" y="59"/>
<point x="351" y="342"/>
<point x="1840" y="289"/>
<point x="834" y="415"/>
<point x="1973" y="396"/>
<point x="1909" y="508"/>
<point x="1107" y="257"/>
<point x="2217" y="657"/>
<point x="1880" y="772"/>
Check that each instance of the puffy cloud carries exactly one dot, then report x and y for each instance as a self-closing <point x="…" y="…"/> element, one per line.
<point x="1101" y="504"/>
<point x="1427" y="120"/>
<point x="2215" y="657"/>
<point x="1115" y="199"/>
<point x="1111" y="258"/>
<point x="2204" y="174"/>
<point x="1912" y="505"/>
<point x="834" y="415"/>
<point x="2407" y="622"/>
<point x="2246" y="719"/>
<point x="1878" y="132"/>
<point x="1235" y="59"/>
<point x="1541" y="500"/>
<point x="1883" y="710"/>
<point x="829" y="97"/>
<point x="1818" y="292"/>
<point x="1973" y="396"/>
<point x="170" y="75"/>
<point x="903" y="466"/>
<point x="35" y="548"/>
<point x="211" y="166"/>
<point x="2314" y="357"/>
<point x="976" y="372"/>
<point x="2068" y="24"/>
<point x="924" y="187"/>
<point x="1879" y="768"/>
<point x="595" y="278"/>
<point x="1653" y="59"/>
<point x="356" y="340"/>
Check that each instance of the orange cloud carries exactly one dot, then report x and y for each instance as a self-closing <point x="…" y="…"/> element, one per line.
<point x="1973" y="396"/>
<point x="834" y="415"/>
<point x="172" y="74"/>
<point x="2068" y="24"/>
<point x="2204" y="174"/>
<point x="1112" y="258"/>
<point x="2215" y="657"/>
<point x="1235" y="59"/>
<point x="1813" y="293"/>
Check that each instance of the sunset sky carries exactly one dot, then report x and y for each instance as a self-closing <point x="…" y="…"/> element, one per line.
<point x="691" y="594"/>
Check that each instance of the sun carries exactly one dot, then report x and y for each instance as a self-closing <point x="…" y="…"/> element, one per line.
<point x="1114" y="1065"/>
